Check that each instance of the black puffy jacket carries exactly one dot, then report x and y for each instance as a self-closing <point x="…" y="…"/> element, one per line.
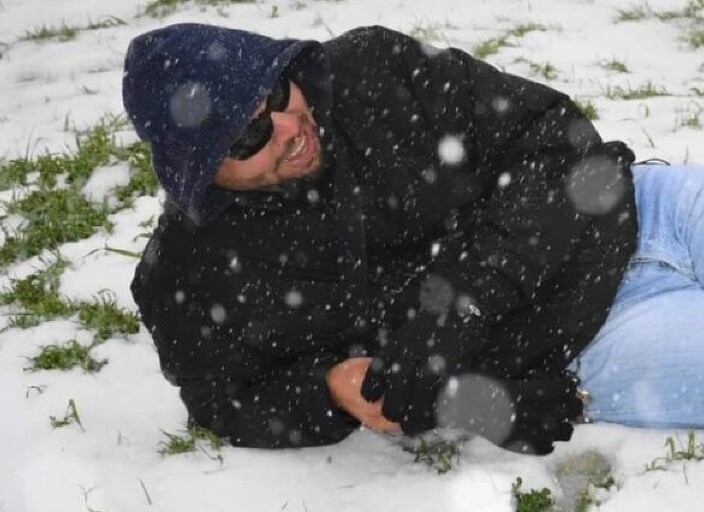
<point x="438" y="164"/>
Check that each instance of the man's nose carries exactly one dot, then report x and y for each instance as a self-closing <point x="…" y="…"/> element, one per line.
<point x="287" y="125"/>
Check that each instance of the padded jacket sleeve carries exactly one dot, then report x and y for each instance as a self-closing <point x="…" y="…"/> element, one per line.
<point x="252" y="397"/>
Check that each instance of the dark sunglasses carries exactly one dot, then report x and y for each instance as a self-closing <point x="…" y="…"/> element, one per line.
<point x="259" y="130"/>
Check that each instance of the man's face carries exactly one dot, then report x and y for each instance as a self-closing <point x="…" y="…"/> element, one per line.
<point x="293" y="151"/>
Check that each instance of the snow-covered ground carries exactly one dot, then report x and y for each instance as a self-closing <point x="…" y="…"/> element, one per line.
<point x="49" y="88"/>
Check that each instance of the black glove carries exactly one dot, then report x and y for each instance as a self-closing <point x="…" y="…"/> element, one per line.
<point x="525" y="416"/>
<point x="415" y="362"/>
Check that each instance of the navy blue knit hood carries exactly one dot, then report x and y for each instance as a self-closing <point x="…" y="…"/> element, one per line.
<point x="190" y="91"/>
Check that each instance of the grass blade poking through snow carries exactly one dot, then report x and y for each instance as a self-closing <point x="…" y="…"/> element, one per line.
<point x="65" y="357"/>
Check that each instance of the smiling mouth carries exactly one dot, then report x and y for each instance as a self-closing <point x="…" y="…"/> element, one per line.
<point x="303" y="149"/>
<point x="298" y="148"/>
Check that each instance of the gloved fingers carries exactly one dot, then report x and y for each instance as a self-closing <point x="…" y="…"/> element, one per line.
<point x="480" y="405"/>
<point x="569" y="407"/>
<point x="398" y="390"/>
<point x="543" y="390"/>
<point x="545" y="430"/>
<point x="554" y="427"/>
<point x="420" y="413"/>
<point x="564" y="431"/>
<point x="529" y="443"/>
<point x="573" y="408"/>
<point x="374" y="384"/>
<point x="529" y="446"/>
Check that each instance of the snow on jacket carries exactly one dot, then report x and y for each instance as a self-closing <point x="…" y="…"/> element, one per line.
<point x="436" y="163"/>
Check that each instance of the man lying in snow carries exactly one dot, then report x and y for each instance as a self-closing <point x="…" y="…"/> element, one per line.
<point x="372" y="230"/>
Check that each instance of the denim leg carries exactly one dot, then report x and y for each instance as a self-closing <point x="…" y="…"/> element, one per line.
<point x="646" y="368"/>
<point x="646" y="365"/>
<point x="694" y="224"/>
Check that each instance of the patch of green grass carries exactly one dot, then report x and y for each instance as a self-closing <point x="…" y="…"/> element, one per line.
<point x="580" y="477"/>
<point x="693" y="10"/>
<point x="636" y="13"/>
<point x="696" y="39"/>
<point x="189" y="441"/>
<point x="53" y="215"/>
<point x="692" y="452"/>
<point x="48" y="167"/>
<point x="588" y="109"/>
<point x="525" y="28"/>
<point x="37" y="296"/>
<point x="64" y="32"/>
<point x="490" y="47"/>
<point x="105" y="22"/>
<point x="533" y="500"/>
<point x="647" y="90"/>
<point x="545" y="70"/>
<point x="106" y="318"/>
<point x="51" y="218"/>
<point x="60" y="33"/>
<point x="123" y="252"/>
<point x="71" y="416"/>
<point x="440" y="455"/>
<point x="14" y="173"/>
<point x="493" y="45"/>
<point x="65" y="357"/>
<point x="585" y="499"/>
<point x="94" y="147"/>
<point x="615" y="65"/>
<point x="692" y="120"/>
<point x="426" y="33"/>
<point x="143" y="180"/>
<point x="161" y="8"/>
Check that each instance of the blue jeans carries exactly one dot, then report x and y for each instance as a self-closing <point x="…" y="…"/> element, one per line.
<point x="645" y="367"/>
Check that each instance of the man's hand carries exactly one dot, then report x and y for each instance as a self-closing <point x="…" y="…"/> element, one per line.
<point x="344" y="382"/>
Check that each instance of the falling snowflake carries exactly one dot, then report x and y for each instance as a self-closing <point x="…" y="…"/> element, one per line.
<point x="466" y="306"/>
<point x="451" y="150"/>
<point x="504" y="179"/>
<point x="293" y="299"/>
<point x="595" y="186"/>
<point x="218" y="313"/>
<point x="313" y="196"/>
<point x="435" y="249"/>
<point x="217" y="51"/>
<point x="235" y="264"/>
<point x="465" y="402"/>
<point x="190" y="105"/>
<point x="579" y="132"/>
<point x="437" y="364"/>
<point x="430" y="175"/>
<point x="500" y="104"/>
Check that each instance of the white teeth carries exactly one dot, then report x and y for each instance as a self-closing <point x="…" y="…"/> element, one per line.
<point x="297" y="150"/>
